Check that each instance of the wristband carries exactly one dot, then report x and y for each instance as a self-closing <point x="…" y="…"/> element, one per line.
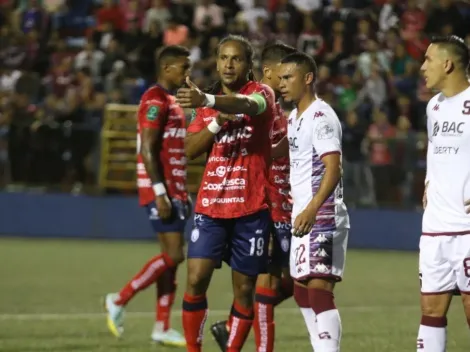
<point x="214" y="127"/>
<point x="159" y="189"/>
<point x="210" y="100"/>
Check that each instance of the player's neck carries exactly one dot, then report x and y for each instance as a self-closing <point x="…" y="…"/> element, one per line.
<point x="305" y="102"/>
<point x="455" y="86"/>
<point x="164" y="84"/>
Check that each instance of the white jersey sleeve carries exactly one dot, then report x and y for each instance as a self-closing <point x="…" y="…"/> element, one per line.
<point x="326" y="137"/>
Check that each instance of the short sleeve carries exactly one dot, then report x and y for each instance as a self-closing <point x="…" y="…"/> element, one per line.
<point x="152" y="112"/>
<point x="197" y="123"/>
<point x="326" y="138"/>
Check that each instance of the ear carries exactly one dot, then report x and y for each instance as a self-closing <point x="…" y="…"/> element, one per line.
<point x="267" y="72"/>
<point x="448" y="66"/>
<point x="309" y="78"/>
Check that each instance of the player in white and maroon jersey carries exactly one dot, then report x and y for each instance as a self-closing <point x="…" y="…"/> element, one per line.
<point x="444" y="257"/>
<point x="319" y="216"/>
<point x="161" y="181"/>
<point x="275" y="286"/>
<point x="232" y="216"/>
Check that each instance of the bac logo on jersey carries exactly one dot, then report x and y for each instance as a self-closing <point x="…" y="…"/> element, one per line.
<point x="152" y="112"/>
<point x="293" y="143"/>
<point x="175" y="133"/>
<point x="448" y="129"/>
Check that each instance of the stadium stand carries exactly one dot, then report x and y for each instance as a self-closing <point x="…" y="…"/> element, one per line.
<point x="63" y="62"/>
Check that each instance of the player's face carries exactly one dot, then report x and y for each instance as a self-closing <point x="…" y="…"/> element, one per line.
<point x="292" y="82"/>
<point x="273" y="72"/>
<point x="433" y="68"/>
<point x="232" y="64"/>
<point x="179" y="70"/>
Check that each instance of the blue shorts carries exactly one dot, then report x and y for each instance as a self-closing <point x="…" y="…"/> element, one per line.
<point x="242" y="242"/>
<point x="281" y="237"/>
<point x="176" y="223"/>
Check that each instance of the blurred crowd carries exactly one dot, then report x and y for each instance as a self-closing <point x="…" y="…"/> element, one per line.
<point x="62" y="61"/>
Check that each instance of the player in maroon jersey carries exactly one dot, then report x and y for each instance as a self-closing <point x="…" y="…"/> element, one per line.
<point x="277" y="285"/>
<point x="232" y="217"/>
<point x="161" y="181"/>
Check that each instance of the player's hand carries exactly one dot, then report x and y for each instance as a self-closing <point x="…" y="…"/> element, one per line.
<point x="222" y="118"/>
<point x="163" y="206"/>
<point x="304" y="222"/>
<point x="191" y="97"/>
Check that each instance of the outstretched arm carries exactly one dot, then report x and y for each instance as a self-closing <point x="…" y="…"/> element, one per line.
<point x="193" y="97"/>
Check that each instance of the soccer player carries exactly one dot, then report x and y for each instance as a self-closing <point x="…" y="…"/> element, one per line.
<point x="444" y="257"/>
<point x="232" y="217"/>
<point x="161" y="180"/>
<point x="277" y="285"/>
<point x="319" y="215"/>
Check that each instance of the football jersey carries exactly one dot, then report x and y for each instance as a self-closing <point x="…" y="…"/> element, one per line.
<point x="314" y="134"/>
<point x="448" y="167"/>
<point x="280" y="201"/>
<point x="158" y="110"/>
<point x="236" y="173"/>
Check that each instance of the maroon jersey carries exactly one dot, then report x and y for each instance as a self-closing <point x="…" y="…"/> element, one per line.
<point x="278" y="185"/>
<point x="158" y="110"/>
<point x="236" y="172"/>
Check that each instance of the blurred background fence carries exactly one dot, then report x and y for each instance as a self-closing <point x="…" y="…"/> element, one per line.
<point x="72" y="72"/>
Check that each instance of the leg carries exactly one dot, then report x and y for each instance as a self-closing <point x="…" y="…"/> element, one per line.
<point x="249" y="246"/>
<point x="466" y="306"/>
<point x="171" y="243"/>
<point x="317" y="261"/>
<point x="205" y="252"/>
<point x="268" y="287"/>
<point x="157" y="266"/>
<point x="437" y="284"/>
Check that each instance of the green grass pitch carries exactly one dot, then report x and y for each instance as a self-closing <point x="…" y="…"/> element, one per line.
<point x="50" y="292"/>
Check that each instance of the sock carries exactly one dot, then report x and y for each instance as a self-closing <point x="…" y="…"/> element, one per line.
<point x="328" y="319"/>
<point x="301" y="298"/>
<point x="242" y="319"/>
<point x="151" y="271"/>
<point x="194" y="318"/>
<point x="432" y="334"/>
<point x="286" y="290"/>
<point x="263" y="325"/>
<point x="166" y="289"/>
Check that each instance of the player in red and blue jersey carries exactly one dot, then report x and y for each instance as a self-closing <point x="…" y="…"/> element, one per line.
<point x="232" y="217"/>
<point x="276" y="285"/>
<point x="161" y="181"/>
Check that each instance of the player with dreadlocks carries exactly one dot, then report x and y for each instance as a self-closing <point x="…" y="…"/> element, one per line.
<point x="231" y="215"/>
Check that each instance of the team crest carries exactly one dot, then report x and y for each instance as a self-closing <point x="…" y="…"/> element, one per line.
<point x="194" y="235"/>
<point x="152" y="113"/>
<point x="285" y="244"/>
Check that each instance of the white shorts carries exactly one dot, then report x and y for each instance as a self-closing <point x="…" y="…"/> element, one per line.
<point x="319" y="255"/>
<point x="444" y="263"/>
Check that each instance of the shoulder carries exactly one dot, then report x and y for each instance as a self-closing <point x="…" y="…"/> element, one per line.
<point x="155" y="95"/>
<point x="434" y="102"/>
<point x="257" y="87"/>
<point x="322" y="111"/>
<point x="291" y="117"/>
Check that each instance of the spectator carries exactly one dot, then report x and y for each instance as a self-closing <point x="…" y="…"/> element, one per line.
<point x="208" y="16"/>
<point x="110" y="13"/>
<point x="158" y="14"/>
<point x="175" y="33"/>
<point x="90" y="58"/>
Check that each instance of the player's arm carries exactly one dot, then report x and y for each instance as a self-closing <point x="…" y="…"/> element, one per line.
<point x="199" y="138"/>
<point x="281" y="149"/>
<point x="252" y="105"/>
<point x="152" y="116"/>
<point x="327" y="143"/>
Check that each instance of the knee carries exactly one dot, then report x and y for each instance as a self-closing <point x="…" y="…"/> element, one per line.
<point x="244" y="292"/>
<point x="176" y="255"/>
<point x="434" y="306"/>
<point x="198" y="279"/>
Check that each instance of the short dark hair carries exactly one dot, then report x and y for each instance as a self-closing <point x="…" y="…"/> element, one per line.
<point x="302" y="59"/>
<point x="172" y="52"/>
<point x="276" y="52"/>
<point x="456" y="46"/>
